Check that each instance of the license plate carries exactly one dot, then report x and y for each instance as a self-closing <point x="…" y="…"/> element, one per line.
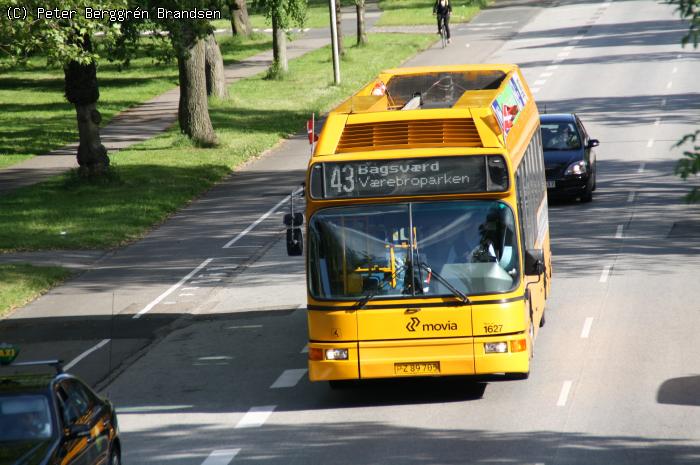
<point x="417" y="368"/>
<point x="551" y="184"/>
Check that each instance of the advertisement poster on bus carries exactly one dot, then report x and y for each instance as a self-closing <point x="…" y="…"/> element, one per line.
<point x="508" y="104"/>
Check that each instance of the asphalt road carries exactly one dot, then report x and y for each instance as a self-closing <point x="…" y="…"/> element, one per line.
<point x="204" y="356"/>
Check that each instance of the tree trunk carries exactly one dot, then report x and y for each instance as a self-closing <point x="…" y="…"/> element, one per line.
<point x="81" y="90"/>
<point x="214" y="68"/>
<point x="193" y="110"/>
<point x="339" y="28"/>
<point x="279" y="47"/>
<point x="361" y="33"/>
<point x="240" y="22"/>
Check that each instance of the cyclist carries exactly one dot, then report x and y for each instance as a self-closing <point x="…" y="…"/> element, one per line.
<point x="443" y="9"/>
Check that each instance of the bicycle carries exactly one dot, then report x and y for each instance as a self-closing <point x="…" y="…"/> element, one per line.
<point x="443" y="31"/>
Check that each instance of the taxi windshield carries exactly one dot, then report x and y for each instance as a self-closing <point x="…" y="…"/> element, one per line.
<point x="368" y="250"/>
<point x="24" y="418"/>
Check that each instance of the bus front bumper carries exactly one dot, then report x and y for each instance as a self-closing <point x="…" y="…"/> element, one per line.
<point x="421" y="357"/>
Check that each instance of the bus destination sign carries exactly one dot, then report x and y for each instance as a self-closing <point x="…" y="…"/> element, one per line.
<point x="415" y="176"/>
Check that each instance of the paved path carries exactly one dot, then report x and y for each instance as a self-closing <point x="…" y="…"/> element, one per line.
<point x="154" y="116"/>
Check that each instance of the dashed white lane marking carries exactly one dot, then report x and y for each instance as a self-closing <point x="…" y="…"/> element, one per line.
<point x="289" y="378"/>
<point x="669" y="85"/>
<point x="663" y="102"/>
<point x="165" y="294"/>
<point x="657" y="121"/>
<point x="605" y="273"/>
<point x="467" y="45"/>
<point x="92" y="349"/>
<point x="552" y="67"/>
<point x="578" y="37"/>
<point x="305" y="350"/>
<point x="244" y="327"/>
<point x="563" y="54"/>
<point x="650" y="143"/>
<point x="169" y="303"/>
<point x="564" y="394"/>
<point x="586" y="331"/>
<point x="630" y="197"/>
<point x="256" y="416"/>
<point x="206" y="280"/>
<point x="191" y="288"/>
<point x="641" y="168"/>
<point x="546" y="75"/>
<point x="540" y="82"/>
<point x="185" y="294"/>
<point x="534" y="90"/>
<point x="221" y="457"/>
<point x="260" y="220"/>
<point x="675" y="70"/>
<point x="569" y="47"/>
<point x="620" y="229"/>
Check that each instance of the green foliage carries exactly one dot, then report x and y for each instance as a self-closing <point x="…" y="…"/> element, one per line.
<point x="60" y="40"/>
<point x="289" y="13"/>
<point x="689" y="10"/>
<point x="690" y="164"/>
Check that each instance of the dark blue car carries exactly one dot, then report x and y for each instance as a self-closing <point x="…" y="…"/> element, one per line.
<point x="569" y="158"/>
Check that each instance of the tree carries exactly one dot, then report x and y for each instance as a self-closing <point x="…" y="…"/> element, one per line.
<point x="339" y="27"/>
<point x="690" y="163"/>
<point x="186" y="40"/>
<point x="240" y="21"/>
<point x="68" y="43"/>
<point x="214" y="68"/>
<point x="361" y="32"/>
<point x="282" y="14"/>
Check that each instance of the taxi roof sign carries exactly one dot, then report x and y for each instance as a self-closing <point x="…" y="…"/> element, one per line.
<point x="8" y="353"/>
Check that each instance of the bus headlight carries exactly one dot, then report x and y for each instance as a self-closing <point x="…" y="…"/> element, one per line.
<point x="496" y="347"/>
<point x="336" y="354"/>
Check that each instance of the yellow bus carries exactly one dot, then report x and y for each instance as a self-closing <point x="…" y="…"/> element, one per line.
<point x="427" y="237"/>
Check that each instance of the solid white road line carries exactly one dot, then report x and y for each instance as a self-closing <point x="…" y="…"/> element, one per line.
<point x="289" y="378"/>
<point x="563" y="54"/>
<point x="564" y="394"/>
<point x="586" y="331"/>
<point x="604" y="275"/>
<point x="165" y="294"/>
<point x="221" y="457"/>
<point x="185" y="294"/>
<point x="650" y="143"/>
<point x="77" y="359"/>
<point x="620" y="229"/>
<point x="260" y="220"/>
<point x="256" y="416"/>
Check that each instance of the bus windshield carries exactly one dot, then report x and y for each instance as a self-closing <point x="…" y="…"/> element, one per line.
<point x="362" y="250"/>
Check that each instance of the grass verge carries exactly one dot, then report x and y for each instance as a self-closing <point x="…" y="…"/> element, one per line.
<point x="153" y="179"/>
<point x="35" y="118"/>
<point x="415" y="12"/>
<point x="21" y="283"/>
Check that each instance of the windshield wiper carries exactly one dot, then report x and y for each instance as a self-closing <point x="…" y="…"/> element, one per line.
<point x="456" y="292"/>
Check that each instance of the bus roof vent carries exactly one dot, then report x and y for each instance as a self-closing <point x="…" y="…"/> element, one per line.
<point x="386" y="135"/>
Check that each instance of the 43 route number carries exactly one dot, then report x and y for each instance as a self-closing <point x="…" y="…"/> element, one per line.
<point x="343" y="179"/>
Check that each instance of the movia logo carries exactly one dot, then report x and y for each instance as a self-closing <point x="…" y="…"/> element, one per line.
<point x="415" y="322"/>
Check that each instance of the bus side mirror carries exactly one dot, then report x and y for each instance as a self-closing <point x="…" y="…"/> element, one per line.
<point x="534" y="262"/>
<point x="593" y="143"/>
<point x="295" y="242"/>
<point x="293" y="220"/>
